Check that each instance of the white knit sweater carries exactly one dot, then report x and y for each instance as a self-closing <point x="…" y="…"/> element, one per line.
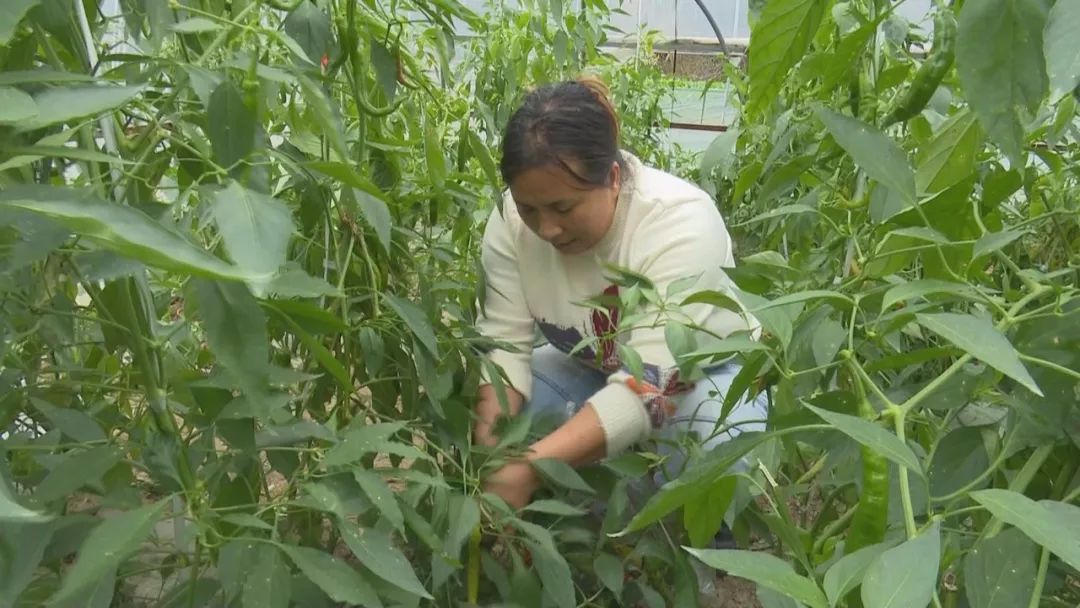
<point x="665" y="229"/>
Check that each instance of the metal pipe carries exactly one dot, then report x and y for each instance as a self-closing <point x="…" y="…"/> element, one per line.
<point x="712" y="23"/>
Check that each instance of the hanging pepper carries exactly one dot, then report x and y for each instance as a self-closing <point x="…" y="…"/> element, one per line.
<point x="871" y="514"/>
<point x="931" y="72"/>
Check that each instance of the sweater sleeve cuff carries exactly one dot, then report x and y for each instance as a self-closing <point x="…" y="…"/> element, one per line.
<point x="622" y="417"/>
<point x="518" y="369"/>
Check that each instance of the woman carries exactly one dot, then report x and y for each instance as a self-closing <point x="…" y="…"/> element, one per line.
<point x="576" y="202"/>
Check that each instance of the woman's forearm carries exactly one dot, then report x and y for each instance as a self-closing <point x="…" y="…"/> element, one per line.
<point x="578" y="442"/>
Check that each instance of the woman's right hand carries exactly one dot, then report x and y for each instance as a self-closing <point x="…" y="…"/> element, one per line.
<point x="488" y="410"/>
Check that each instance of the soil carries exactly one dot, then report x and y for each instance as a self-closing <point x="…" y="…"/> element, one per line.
<point x="732" y="592"/>
<point x="695" y="65"/>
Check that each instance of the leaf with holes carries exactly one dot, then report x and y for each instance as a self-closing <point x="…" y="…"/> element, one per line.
<point x="1000" y="571"/>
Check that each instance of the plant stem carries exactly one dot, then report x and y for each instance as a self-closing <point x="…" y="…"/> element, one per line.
<point x="832" y="530"/>
<point x="873" y="385"/>
<point x="1050" y="365"/>
<point x="1040" y="579"/>
<point x="935" y="384"/>
<point x="905" y="485"/>
<point x="978" y="480"/>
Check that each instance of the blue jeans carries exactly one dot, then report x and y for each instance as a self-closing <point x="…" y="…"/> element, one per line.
<point x="561" y="386"/>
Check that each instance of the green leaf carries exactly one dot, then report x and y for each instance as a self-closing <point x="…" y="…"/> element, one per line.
<point x="721" y="154"/>
<point x="231" y="123"/>
<point x="382" y="497"/>
<point x="631" y="359"/>
<point x="704" y="518"/>
<point x="555" y="507"/>
<point x="329" y="122"/>
<point x="609" y="570"/>
<point x="876" y="153"/>
<point x="464" y="516"/>
<point x="910" y="290"/>
<point x="950" y="156"/>
<point x="291" y="281"/>
<point x="41" y="74"/>
<point x="122" y="230"/>
<point x="333" y="576"/>
<point x="361" y="441"/>
<point x="65" y="104"/>
<point x="323" y="355"/>
<point x="23" y="155"/>
<point x="777" y="42"/>
<point x="724" y="347"/>
<point x="1054" y="525"/>
<point x="289" y="434"/>
<point x="12" y="511"/>
<point x="904" y="576"/>
<point x="247" y="520"/>
<point x="195" y="25"/>
<point x="847" y="573"/>
<point x="310" y="27"/>
<point x="764" y="569"/>
<point x="803" y="296"/>
<point x="15" y="106"/>
<point x="960" y="457"/>
<point x="377" y="215"/>
<point x="235" y="328"/>
<point x="713" y="298"/>
<point x="385" y="64"/>
<point x="74" y="423"/>
<point x="75" y="471"/>
<point x="11" y="13"/>
<point x="267" y="584"/>
<point x="695" y="480"/>
<point x="1000" y="63"/>
<point x="433" y="152"/>
<point x="483" y="156"/>
<point x="554" y="574"/>
<point x="562" y="474"/>
<point x="107" y="546"/>
<point x="872" y="436"/>
<point x="22" y="546"/>
<point x="416" y="319"/>
<point x="1062" y="49"/>
<point x="255" y="227"/>
<point x="993" y="241"/>
<point x="782" y="211"/>
<point x="377" y="553"/>
<point x="1000" y="571"/>
<point x="979" y="338"/>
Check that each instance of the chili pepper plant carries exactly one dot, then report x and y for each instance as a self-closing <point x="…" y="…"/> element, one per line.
<point x="240" y="274"/>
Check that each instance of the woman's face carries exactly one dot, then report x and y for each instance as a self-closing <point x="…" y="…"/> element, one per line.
<point x="554" y="205"/>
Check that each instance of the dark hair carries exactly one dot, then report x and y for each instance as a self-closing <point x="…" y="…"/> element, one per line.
<point x="560" y="123"/>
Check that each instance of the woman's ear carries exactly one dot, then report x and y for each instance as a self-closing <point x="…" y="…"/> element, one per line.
<point x="616" y="174"/>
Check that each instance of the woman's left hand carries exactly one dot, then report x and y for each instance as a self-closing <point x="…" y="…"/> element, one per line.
<point x="515" y="483"/>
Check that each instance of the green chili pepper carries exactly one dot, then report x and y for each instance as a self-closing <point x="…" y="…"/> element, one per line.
<point x="871" y="514"/>
<point x="931" y="72"/>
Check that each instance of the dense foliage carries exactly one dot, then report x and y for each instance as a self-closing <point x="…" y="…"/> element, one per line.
<point x="239" y="277"/>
